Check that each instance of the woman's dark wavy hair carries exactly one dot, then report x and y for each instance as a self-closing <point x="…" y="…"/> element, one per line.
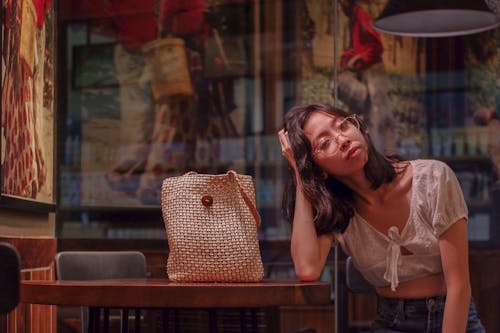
<point x="332" y="201"/>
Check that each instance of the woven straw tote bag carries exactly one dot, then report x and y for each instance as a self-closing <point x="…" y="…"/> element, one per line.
<point x="211" y="223"/>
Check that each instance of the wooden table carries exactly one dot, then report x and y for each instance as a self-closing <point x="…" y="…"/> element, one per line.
<point x="164" y="294"/>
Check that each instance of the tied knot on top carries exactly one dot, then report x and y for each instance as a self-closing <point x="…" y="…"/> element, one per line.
<point x="393" y="257"/>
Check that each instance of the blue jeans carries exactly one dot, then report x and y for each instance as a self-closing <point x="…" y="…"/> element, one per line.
<point x="417" y="315"/>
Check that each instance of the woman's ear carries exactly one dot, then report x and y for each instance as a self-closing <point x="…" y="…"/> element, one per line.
<point x="325" y="175"/>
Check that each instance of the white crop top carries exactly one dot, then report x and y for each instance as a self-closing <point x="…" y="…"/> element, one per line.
<point x="436" y="203"/>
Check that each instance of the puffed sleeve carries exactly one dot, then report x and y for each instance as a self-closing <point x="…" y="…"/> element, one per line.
<point x="447" y="200"/>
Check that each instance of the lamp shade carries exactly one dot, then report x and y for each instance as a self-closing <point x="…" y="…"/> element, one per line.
<point x="435" y="18"/>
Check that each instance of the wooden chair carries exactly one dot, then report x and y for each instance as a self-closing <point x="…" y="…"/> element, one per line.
<point x="100" y="265"/>
<point x="10" y="277"/>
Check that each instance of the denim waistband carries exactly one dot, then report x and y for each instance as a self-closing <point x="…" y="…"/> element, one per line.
<point x="425" y="304"/>
<point x="422" y="310"/>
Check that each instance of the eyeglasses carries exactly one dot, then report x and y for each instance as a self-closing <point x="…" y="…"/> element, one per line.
<point x="329" y="145"/>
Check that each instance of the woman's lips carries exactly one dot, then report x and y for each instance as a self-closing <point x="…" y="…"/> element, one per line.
<point x="353" y="152"/>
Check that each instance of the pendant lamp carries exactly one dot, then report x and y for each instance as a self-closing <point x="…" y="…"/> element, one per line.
<point x="435" y="18"/>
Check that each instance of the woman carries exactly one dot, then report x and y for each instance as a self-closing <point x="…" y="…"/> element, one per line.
<point x="403" y="222"/>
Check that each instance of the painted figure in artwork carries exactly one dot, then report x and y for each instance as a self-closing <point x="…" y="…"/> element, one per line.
<point x="362" y="82"/>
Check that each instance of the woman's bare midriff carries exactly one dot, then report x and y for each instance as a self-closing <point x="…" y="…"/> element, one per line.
<point x="427" y="286"/>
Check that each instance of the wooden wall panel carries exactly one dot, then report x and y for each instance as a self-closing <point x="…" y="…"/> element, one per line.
<point x="37" y="263"/>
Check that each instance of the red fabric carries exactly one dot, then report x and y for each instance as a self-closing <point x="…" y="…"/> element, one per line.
<point x="136" y="22"/>
<point x="40" y="7"/>
<point x="8" y="13"/>
<point x="366" y="42"/>
<point x="183" y="17"/>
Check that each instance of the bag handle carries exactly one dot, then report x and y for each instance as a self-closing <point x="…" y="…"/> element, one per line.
<point x="246" y="198"/>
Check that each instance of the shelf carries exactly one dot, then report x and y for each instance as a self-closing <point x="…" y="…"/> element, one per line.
<point x="479" y="204"/>
<point x="484" y="246"/>
<point x="483" y="159"/>
<point x="84" y="244"/>
<point x="93" y="208"/>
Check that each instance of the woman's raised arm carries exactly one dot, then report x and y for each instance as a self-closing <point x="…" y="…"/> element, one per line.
<point x="309" y="251"/>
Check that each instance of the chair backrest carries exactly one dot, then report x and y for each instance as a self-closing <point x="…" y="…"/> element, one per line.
<point x="99" y="265"/>
<point x="10" y="277"/>
<point x="355" y="281"/>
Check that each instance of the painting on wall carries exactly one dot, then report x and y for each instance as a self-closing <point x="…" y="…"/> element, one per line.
<point x="28" y="38"/>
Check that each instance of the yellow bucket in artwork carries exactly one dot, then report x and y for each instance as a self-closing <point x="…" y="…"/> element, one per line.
<point x="167" y="60"/>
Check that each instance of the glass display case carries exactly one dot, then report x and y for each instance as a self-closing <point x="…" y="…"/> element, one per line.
<point x="126" y="123"/>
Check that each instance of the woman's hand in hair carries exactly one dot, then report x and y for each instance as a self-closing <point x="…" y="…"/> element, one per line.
<point x="286" y="149"/>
